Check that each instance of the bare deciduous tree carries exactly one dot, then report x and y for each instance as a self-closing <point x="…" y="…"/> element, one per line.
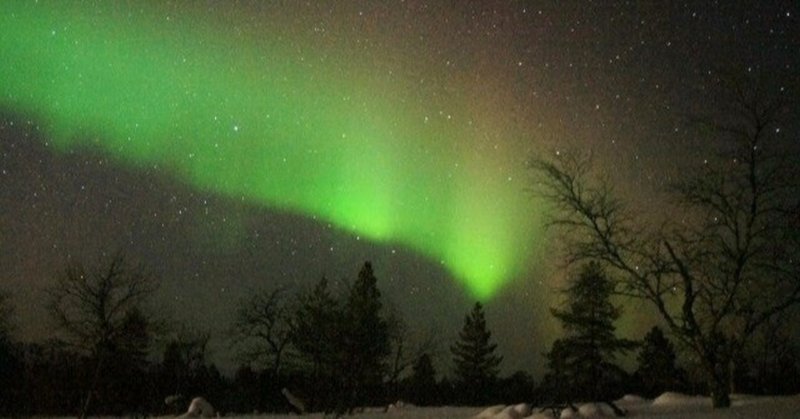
<point x="263" y="328"/>
<point x="726" y="266"/>
<point x="406" y="349"/>
<point x="99" y="312"/>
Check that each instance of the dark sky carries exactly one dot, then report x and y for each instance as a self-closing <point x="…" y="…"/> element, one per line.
<point x="521" y="78"/>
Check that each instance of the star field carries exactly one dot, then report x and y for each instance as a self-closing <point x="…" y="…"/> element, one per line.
<point x="236" y="145"/>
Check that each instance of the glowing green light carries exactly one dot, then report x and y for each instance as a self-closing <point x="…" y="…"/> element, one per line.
<point x="251" y="117"/>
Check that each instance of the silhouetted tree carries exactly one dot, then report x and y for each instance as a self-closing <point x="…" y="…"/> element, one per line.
<point x="366" y="340"/>
<point x="263" y="328"/>
<point x="182" y="368"/>
<point x="99" y="312"/>
<point x="10" y="368"/>
<point x="316" y="335"/>
<point x="727" y="265"/>
<point x="773" y="358"/>
<point x="53" y="379"/>
<point x="405" y="351"/>
<point x="10" y="375"/>
<point x="121" y="386"/>
<point x="339" y="344"/>
<point x="6" y="315"/>
<point x="516" y="387"/>
<point x="421" y="387"/>
<point x="476" y="364"/>
<point x="556" y="387"/>
<point x="657" y="371"/>
<point x="246" y="390"/>
<point x="583" y="361"/>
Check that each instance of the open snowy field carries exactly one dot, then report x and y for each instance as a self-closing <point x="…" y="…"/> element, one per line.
<point x="668" y="405"/>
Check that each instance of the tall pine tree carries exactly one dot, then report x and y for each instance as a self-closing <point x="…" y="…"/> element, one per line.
<point x="475" y="360"/>
<point x="582" y="363"/>
<point x="657" y="371"/>
<point x="366" y="340"/>
<point x="422" y="386"/>
<point x="316" y="335"/>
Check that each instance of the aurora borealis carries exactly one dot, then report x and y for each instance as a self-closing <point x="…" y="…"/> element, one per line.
<point x="268" y="128"/>
<point x="236" y="145"/>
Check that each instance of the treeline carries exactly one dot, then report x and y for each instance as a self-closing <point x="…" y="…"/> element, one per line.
<point x="336" y="348"/>
<point x="584" y="364"/>
<point x="319" y="349"/>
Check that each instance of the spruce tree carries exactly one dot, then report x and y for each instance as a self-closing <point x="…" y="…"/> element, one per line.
<point x="657" y="371"/>
<point x="557" y="382"/>
<point x="422" y="383"/>
<point x="366" y="340"/>
<point x="476" y="364"/>
<point x="583" y="361"/>
<point x="315" y="328"/>
<point x="316" y="335"/>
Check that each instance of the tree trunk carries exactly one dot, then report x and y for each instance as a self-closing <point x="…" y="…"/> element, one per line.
<point x="720" y="387"/>
<point x="92" y="388"/>
<point x="719" y="396"/>
<point x="718" y="360"/>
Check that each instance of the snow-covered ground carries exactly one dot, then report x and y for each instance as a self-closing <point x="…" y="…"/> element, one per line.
<point x="668" y="405"/>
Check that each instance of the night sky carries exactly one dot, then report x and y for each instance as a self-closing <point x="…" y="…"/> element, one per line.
<point x="234" y="146"/>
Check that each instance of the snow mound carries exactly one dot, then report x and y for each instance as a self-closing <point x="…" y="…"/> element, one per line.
<point x="632" y="398"/>
<point x="399" y="405"/>
<point x="200" y="407"/>
<point x="523" y="409"/>
<point x="596" y="410"/>
<point x="568" y="413"/>
<point x="517" y="411"/>
<point x="490" y="412"/>
<point x="670" y="398"/>
<point x="584" y="411"/>
<point x="514" y="411"/>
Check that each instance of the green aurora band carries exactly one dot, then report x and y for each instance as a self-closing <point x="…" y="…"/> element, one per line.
<point x="313" y="133"/>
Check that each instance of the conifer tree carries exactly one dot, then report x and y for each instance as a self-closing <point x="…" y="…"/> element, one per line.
<point x="583" y="361"/>
<point x="422" y="383"/>
<point x="315" y="334"/>
<point x="657" y="371"/>
<point x="366" y="340"/>
<point x="314" y="325"/>
<point x="475" y="360"/>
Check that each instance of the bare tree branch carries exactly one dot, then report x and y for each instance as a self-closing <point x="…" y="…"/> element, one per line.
<point x="718" y="277"/>
<point x="95" y="311"/>
<point x="263" y="328"/>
